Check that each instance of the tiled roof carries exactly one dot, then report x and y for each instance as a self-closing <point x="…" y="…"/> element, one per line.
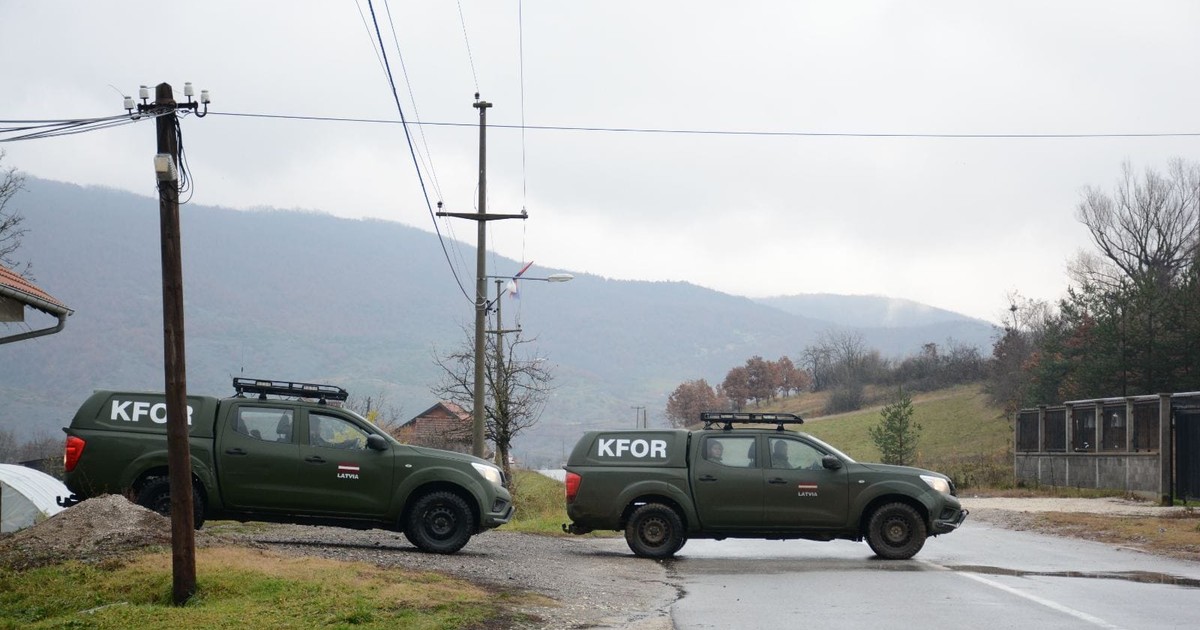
<point x="452" y="408"/>
<point x="15" y="282"/>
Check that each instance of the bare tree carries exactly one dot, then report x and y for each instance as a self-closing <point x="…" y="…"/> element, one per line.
<point x="514" y="394"/>
<point x="11" y="232"/>
<point x="378" y="410"/>
<point x="1147" y="229"/>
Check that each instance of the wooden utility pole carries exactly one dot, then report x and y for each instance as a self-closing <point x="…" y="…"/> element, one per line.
<point x="179" y="462"/>
<point x="481" y="301"/>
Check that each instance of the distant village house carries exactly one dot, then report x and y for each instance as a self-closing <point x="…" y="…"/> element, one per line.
<point x="445" y="425"/>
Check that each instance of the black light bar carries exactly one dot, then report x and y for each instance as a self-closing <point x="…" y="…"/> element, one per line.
<point x="264" y="388"/>
<point x="729" y="418"/>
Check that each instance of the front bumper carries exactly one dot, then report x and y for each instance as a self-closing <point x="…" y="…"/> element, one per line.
<point x="949" y="521"/>
<point x="502" y="512"/>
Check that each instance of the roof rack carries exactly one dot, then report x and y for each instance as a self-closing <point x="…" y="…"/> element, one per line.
<point x="729" y="418"/>
<point x="323" y="393"/>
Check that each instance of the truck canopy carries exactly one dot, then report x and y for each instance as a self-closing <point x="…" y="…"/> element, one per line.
<point x="656" y="449"/>
<point x="143" y="412"/>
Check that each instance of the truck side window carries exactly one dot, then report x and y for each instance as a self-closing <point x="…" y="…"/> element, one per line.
<point x="794" y="454"/>
<point x="737" y="452"/>
<point x="264" y="423"/>
<point x="333" y="432"/>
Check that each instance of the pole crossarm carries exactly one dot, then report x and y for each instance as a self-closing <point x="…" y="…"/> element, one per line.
<point x="475" y="216"/>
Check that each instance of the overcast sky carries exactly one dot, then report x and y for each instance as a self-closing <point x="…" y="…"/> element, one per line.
<point x="957" y="223"/>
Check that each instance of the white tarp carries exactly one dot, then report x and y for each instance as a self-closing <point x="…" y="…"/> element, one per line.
<point x="27" y="496"/>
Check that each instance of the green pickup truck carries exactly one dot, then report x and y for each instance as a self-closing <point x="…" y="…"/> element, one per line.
<point x="298" y="458"/>
<point x="664" y="487"/>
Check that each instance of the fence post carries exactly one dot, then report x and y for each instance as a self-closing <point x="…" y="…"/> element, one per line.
<point x="1166" y="454"/>
<point x="1041" y="429"/>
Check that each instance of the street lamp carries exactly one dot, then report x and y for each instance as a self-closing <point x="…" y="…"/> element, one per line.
<point x="477" y="419"/>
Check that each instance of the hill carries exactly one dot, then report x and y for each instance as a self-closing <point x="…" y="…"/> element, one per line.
<point x="894" y="326"/>
<point x="364" y="304"/>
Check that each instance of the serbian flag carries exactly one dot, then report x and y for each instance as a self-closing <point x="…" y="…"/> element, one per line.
<point x="512" y="284"/>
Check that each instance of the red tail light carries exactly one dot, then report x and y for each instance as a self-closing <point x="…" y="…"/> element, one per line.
<point x="73" y="451"/>
<point x="572" y="485"/>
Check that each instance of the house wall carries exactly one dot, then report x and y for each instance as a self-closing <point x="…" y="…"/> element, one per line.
<point x="442" y="432"/>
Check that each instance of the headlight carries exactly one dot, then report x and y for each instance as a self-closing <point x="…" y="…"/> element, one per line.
<point x="491" y="473"/>
<point x="937" y="483"/>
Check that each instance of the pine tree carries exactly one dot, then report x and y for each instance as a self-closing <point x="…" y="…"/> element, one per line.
<point x="896" y="435"/>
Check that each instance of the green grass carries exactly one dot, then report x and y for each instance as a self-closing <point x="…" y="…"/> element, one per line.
<point x="541" y="505"/>
<point x="243" y="587"/>
<point x="962" y="435"/>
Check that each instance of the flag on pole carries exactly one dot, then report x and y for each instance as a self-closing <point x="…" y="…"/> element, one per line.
<point x="512" y="284"/>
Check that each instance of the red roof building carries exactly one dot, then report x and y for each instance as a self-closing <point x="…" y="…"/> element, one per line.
<point x="17" y="294"/>
<point x="445" y="425"/>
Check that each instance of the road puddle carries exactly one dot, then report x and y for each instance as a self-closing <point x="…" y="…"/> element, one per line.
<point x="1142" y="577"/>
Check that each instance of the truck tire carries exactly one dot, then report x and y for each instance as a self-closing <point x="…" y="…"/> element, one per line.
<point x="654" y="531"/>
<point x="439" y="522"/>
<point x="896" y="531"/>
<point x="155" y="496"/>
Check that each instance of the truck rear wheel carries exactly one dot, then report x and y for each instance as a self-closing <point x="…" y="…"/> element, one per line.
<point x="896" y="531"/>
<point x="155" y="496"/>
<point x="439" y="522"/>
<point x="654" y="531"/>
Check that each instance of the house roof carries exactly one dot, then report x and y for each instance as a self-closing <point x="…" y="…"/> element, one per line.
<point x="452" y="409"/>
<point x="13" y="286"/>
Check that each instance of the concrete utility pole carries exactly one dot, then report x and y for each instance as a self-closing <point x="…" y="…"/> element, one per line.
<point x="179" y="462"/>
<point x="501" y="377"/>
<point x="481" y="302"/>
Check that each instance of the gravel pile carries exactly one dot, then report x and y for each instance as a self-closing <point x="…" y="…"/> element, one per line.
<point x="101" y="528"/>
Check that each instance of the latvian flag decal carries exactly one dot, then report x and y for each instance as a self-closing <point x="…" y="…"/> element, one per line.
<point x="347" y="471"/>
<point x="806" y="490"/>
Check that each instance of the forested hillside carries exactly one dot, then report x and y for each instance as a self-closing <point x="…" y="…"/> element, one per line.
<point x="363" y="304"/>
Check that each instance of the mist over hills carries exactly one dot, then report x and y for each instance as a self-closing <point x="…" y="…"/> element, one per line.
<point x="368" y="304"/>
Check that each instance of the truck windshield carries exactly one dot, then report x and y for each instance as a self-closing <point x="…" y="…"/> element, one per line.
<point x="831" y="450"/>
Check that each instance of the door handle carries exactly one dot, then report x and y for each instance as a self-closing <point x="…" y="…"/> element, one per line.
<point x="315" y="459"/>
<point x="777" y="481"/>
<point x="234" y="451"/>
<point x="707" y="478"/>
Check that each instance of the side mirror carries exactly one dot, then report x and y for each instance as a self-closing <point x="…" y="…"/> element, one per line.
<point x="829" y="462"/>
<point x="377" y="442"/>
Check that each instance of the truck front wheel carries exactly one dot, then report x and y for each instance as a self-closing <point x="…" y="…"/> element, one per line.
<point x="439" y="522"/>
<point x="155" y="496"/>
<point x="896" y="531"/>
<point x="654" y="531"/>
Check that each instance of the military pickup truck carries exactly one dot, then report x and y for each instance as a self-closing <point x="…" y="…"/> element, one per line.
<point x="735" y="478"/>
<point x="296" y="458"/>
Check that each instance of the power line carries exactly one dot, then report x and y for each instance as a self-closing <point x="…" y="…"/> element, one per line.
<point x="413" y="152"/>
<point x="470" y="57"/>
<point x="733" y="132"/>
<point x="39" y="129"/>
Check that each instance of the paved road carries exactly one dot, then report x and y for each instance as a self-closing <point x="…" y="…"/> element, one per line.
<point x="978" y="577"/>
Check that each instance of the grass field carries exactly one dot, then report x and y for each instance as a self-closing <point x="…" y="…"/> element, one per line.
<point x="239" y="587"/>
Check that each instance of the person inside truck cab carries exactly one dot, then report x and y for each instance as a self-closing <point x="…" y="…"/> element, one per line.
<point x="715" y="450"/>
<point x="779" y="454"/>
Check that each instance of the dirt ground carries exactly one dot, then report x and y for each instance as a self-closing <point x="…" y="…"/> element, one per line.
<point x="1142" y="525"/>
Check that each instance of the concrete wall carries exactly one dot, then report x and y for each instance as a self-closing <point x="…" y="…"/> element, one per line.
<point x="1138" y="473"/>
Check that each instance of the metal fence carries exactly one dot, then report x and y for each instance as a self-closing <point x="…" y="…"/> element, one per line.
<point x="1148" y="445"/>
